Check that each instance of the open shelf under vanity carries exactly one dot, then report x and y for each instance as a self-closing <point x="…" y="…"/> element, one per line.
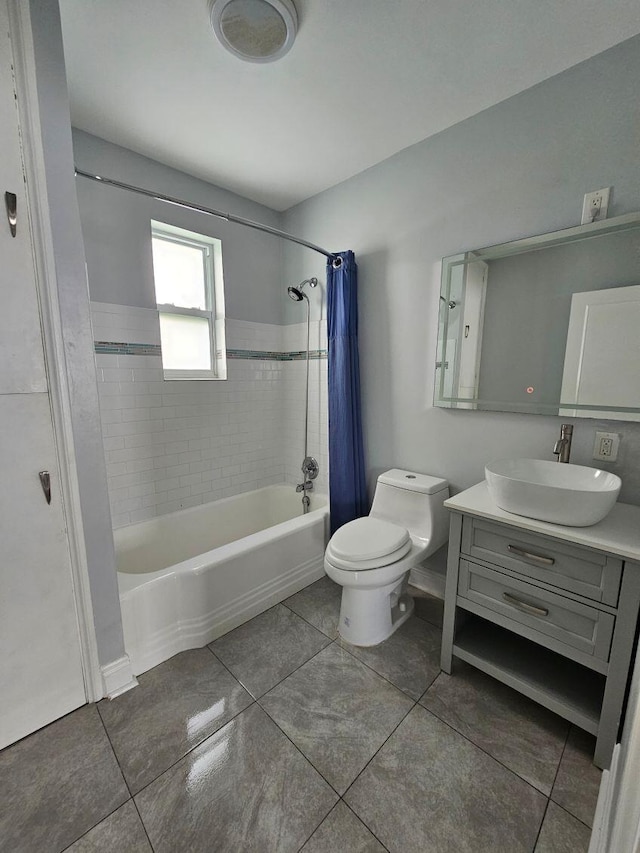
<point x="562" y="685"/>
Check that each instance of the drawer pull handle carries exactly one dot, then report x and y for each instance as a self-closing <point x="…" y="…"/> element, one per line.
<point x="527" y="555"/>
<point x="525" y="606"/>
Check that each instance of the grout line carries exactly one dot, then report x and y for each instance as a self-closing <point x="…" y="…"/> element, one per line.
<point x="316" y="828"/>
<point x="304" y="619"/>
<point x="555" y="776"/>
<point x="189" y="751"/>
<point x="567" y="812"/>
<point x="115" y="754"/>
<point x="326" y="817"/>
<point x="130" y="797"/>
<point x="314" y="655"/>
<point x="391" y="734"/>
<point x="223" y="664"/>
<point x="339" y="641"/>
<point x="535" y="843"/>
<point x="357" y="816"/>
<point x="549" y="800"/>
<point x="91" y="828"/>
<point x="135" y="805"/>
<point x="564" y="808"/>
<point x="564" y="749"/>
<point x="306" y="757"/>
<point x="488" y="754"/>
<point x="255" y="698"/>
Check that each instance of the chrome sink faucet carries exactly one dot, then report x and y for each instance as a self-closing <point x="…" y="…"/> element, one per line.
<point x="562" y="447"/>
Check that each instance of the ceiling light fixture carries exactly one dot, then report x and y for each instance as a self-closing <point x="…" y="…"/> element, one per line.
<point x="255" y="30"/>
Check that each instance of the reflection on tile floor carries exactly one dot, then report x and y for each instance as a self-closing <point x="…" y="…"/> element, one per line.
<point x="281" y="737"/>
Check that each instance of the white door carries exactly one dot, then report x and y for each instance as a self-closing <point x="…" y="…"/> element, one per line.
<point x="41" y="675"/>
<point x="603" y="352"/>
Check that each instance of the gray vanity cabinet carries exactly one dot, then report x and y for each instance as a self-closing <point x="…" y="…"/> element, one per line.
<point x="550" y="617"/>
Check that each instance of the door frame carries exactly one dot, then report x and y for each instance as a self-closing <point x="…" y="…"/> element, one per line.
<point x="616" y="825"/>
<point x="47" y="287"/>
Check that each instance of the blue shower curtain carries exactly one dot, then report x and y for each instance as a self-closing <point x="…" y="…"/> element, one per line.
<point x="347" y="487"/>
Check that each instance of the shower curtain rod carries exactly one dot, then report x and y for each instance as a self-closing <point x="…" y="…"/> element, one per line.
<point x="229" y="217"/>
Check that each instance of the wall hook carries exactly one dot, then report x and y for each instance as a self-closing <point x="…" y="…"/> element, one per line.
<point x="45" y="482"/>
<point x="11" y="203"/>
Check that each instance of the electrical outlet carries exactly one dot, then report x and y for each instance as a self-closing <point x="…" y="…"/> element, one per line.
<point x="595" y="205"/>
<point x="605" y="448"/>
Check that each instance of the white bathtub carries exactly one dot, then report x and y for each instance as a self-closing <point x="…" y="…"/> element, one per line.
<point x="189" y="577"/>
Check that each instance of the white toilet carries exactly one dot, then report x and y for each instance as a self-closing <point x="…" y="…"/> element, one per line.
<point x="371" y="557"/>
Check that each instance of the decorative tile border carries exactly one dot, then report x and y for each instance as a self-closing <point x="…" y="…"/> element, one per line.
<point x="296" y="355"/>
<point x="119" y="348"/>
<point x="122" y="348"/>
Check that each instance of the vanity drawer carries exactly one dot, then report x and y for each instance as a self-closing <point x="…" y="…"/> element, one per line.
<point x="585" y="572"/>
<point x="548" y="614"/>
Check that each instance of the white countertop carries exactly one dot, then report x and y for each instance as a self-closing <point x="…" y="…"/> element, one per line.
<point x="618" y="533"/>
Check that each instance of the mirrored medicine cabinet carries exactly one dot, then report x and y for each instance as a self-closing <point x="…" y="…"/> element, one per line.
<point x="544" y="325"/>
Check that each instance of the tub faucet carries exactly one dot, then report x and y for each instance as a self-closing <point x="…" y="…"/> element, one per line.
<point x="562" y="447"/>
<point x="305" y="487"/>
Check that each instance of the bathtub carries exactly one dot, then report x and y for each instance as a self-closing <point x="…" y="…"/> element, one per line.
<point x="189" y="577"/>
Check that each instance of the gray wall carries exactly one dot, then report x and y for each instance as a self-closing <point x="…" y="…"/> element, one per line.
<point x="527" y="312"/>
<point x="76" y="326"/>
<point x="517" y="169"/>
<point x="117" y="235"/>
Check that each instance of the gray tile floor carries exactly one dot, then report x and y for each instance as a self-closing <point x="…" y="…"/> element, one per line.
<point x="281" y="737"/>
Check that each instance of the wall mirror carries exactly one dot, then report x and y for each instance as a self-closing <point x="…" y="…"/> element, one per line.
<point x="545" y="325"/>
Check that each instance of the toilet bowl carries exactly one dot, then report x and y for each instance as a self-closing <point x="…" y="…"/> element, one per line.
<point x="371" y="557"/>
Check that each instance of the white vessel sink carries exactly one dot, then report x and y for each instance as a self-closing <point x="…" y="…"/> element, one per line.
<point x="573" y="495"/>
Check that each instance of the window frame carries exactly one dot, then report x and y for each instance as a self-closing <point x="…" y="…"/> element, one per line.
<point x="211" y="249"/>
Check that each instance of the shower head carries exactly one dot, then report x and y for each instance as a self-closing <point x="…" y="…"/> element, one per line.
<point x="296" y="293"/>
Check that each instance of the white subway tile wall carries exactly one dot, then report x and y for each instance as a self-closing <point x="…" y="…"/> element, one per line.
<point x="174" y="444"/>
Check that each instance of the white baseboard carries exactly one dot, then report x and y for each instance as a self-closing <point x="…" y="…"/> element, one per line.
<point x="118" y="677"/>
<point x="431" y="574"/>
<point x="428" y="581"/>
<point x="600" y="832"/>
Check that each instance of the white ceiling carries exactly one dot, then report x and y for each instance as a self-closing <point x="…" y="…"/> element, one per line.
<point x="364" y="79"/>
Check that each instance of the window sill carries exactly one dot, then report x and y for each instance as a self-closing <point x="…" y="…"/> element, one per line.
<point x="194" y="375"/>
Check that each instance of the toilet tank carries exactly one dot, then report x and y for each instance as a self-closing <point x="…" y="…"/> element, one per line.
<point x="414" y="501"/>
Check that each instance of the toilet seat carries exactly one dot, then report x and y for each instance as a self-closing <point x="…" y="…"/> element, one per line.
<point x="368" y="543"/>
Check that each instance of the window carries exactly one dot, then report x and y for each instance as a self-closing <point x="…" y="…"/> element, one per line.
<point x="187" y="271"/>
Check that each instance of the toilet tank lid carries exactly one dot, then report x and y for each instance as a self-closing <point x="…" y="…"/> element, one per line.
<point x="413" y="482"/>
